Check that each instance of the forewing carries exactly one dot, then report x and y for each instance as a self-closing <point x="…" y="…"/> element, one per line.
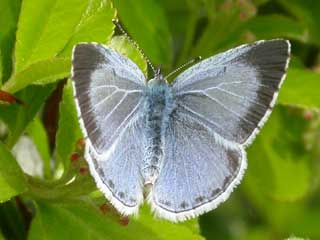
<point x="108" y="89"/>
<point x="233" y="92"/>
<point x="197" y="173"/>
<point x="108" y="92"/>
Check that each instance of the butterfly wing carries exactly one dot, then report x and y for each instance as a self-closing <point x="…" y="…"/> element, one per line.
<point x="197" y="173"/>
<point x="221" y="103"/>
<point x="233" y="92"/>
<point x="108" y="91"/>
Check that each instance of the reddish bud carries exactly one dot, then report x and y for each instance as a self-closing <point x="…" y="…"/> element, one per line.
<point x="83" y="170"/>
<point x="227" y="5"/>
<point x="243" y="16"/>
<point x="105" y="208"/>
<point x="74" y="157"/>
<point x="124" y="221"/>
<point x="80" y="144"/>
<point x="308" y="115"/>
<point x="249" y="37"/>
<point x="317" y="68"/>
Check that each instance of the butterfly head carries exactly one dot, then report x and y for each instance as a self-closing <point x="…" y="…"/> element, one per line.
<point x="158" y="79"/>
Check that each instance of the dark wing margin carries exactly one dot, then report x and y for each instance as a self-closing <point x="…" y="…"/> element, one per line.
<point x="234" y="92"/>
<point x="108" y="89"/>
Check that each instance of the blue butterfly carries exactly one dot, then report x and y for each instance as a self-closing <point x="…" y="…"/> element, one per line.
<point x="185" y="140"/>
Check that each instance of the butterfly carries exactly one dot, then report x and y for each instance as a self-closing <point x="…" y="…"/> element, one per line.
<point x="186" y="139"/>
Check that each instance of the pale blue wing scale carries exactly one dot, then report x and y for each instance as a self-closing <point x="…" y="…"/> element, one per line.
<point x="234" y="92"/>
<point x="117" y="171"/>
<point x="197" y="172"/>
<point x="108" y="93"/>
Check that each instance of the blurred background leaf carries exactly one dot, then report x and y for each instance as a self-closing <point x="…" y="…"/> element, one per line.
<point x="308" y="13"/>
<point x="11" y="221"/>
<point x="278" y="160"/>
<point x="275" y="26"/>
<point x="147" y="17"/>
<point x="12" y="181"/>
<point x="38" y="135"/>
<point x="301" y="89"/>
<point x="68" y="128"/>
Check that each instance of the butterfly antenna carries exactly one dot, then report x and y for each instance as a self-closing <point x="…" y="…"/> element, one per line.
<point x="184" y="65"/>
<point x="118" y="25"/>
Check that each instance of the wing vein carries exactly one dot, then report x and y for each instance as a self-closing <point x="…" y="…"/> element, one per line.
<point x="105" y="99"/>
<point x="200" y="116"/>
<point x="131" y="72"/>
<point x="230" y="110"/>
<point x="181" y="93"/>
<point x="238" y="96"/>
<point x="116" y="106"/>
<point x="115" y="86"/>
<point x="218" y="102"/>
<point x="123" y="122"/>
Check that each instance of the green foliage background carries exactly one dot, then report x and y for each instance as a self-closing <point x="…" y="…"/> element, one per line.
<point x="280" y="194"/>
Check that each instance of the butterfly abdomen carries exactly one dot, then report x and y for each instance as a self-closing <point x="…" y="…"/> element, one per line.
<point x="158" y="107"/>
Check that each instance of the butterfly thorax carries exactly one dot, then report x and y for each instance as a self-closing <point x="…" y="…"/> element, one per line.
<point x="159" y="104"/>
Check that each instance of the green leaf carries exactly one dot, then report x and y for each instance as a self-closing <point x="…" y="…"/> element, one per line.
<point x="167" y="230"/>
<point x="44" y="30"/>
<point x="125" y="47"/>
<point x="38" y="229"/>
<point x="1" y="69"/>
<point x="147" y="24"/>
<point x="295" y="238"/>
<point x="11" y="221"/>
<point x="278" y="180"/>
<point x="284" y="217"/>
<point x="39" y="137"/>
<point x="192" y="224"/>
<point x="183" y="16"/>
<point x="47" y="34"/>
<point x="12" y="181"/>
<point x="42" y="72"/>
<point x="230" y="16"/>
<point x="84" y="221"/>
<point x="301" y="88"/>
<point x="260" y="2"/>
<point x="68" y="128"/>
<point x="17" y="117"/>
<point x="308" y="13"/>
<point x="95" y="26"/>
<point x="276" y="26"/>
<point x="278" y="161"/>
<point x="9" y="13"/>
